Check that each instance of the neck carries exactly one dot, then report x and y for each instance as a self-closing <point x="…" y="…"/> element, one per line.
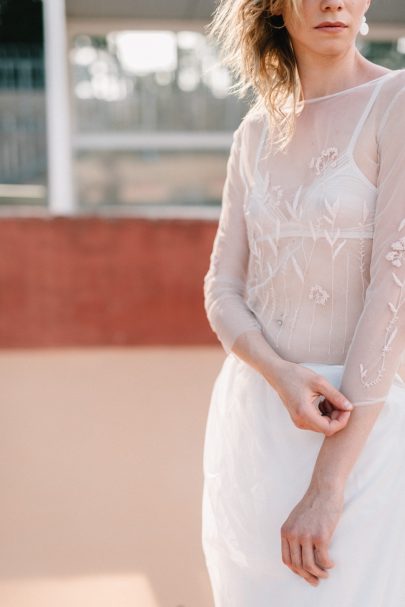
<point x="329" y="74"/>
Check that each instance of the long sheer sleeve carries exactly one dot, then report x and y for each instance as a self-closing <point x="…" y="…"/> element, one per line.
<point x="224" y="284"/>
<point x="375" y="351"/>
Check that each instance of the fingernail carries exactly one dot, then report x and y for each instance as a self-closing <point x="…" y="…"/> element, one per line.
<point x="347" y="405"/>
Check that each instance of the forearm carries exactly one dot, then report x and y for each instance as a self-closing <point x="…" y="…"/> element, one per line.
<point x="340" y="451"/>
<point x="254" y="349"/>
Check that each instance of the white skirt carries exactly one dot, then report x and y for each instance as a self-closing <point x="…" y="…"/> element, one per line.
<point x="257" y="466"/>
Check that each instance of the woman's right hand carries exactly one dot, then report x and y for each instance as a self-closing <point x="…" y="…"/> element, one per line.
<point x="301" y="391"/>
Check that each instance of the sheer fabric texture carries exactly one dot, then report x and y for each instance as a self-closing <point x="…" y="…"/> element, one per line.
<point x="310" y="252"/>
<point x="310" y="247"/>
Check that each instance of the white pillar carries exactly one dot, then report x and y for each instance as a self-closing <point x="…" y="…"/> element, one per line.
<point x="61" y="194"/>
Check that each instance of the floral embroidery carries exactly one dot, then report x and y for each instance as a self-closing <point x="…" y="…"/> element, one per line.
<point x="362" y="248"/>
<point x="277" y="194"/>
<point x="327" y="158"/>
<point x="319" y="294"/>
<point x="398" y="253"/>
<point x="395" y="257"/>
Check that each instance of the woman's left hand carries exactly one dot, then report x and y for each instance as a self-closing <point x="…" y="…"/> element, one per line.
<point x="306" y="534"/>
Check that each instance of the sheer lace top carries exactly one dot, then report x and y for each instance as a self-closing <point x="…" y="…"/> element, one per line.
<point x="310" y="246"/>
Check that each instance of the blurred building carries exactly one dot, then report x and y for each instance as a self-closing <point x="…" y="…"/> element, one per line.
<point x="116" y="122"/>
<point x="139" y="111"/>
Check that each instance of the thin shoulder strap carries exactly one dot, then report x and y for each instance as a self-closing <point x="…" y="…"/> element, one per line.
<point x="365" y="114"/>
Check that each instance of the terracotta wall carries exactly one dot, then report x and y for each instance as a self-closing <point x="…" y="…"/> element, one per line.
<point x="103" y="281"/>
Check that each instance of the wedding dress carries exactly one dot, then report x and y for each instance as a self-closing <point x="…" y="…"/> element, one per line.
<point x="310" y="251"/>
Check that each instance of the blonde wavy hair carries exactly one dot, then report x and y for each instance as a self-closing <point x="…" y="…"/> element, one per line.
<point x="256" y="46"/>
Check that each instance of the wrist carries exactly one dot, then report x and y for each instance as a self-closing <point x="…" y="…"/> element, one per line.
<point x="327" y="484"/>
<point x="275" y="370"/>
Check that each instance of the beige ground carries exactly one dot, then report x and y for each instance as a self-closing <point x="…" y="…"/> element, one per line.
<point x="101" y="476"/>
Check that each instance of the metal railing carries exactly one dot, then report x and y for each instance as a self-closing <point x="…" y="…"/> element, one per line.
<point x="21" y="67"/>
<point x="22" y="114"/>
<point x="22" y="136"/>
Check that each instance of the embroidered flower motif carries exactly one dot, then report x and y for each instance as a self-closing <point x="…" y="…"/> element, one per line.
<point x="318" y="294"/>
<point x="398" y="252"/>
<point x="276" y="194"/>
<point x="327" y="158"/>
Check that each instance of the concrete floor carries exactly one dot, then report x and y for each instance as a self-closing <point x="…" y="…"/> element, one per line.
<point x="101" y="476"/>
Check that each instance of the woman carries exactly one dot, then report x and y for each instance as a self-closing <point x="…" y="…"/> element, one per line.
<point x="304" y="454"/>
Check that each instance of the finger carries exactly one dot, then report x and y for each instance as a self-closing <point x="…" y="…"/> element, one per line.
<point x="295" y="552"/>
<point x="311" y="579"/>
<point x="318" y="423"/>
<point x="338" y="422"/>
<point x="297" y="565"/>
<point x="338" y="415"/>
<point x="308" y="561"/>
<point x="285" y="552"/>
<point x="321" y="555"/>
<point x="313" y="420"/>
<point x="328" y="425"/>
<point x="338" y="400"/>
